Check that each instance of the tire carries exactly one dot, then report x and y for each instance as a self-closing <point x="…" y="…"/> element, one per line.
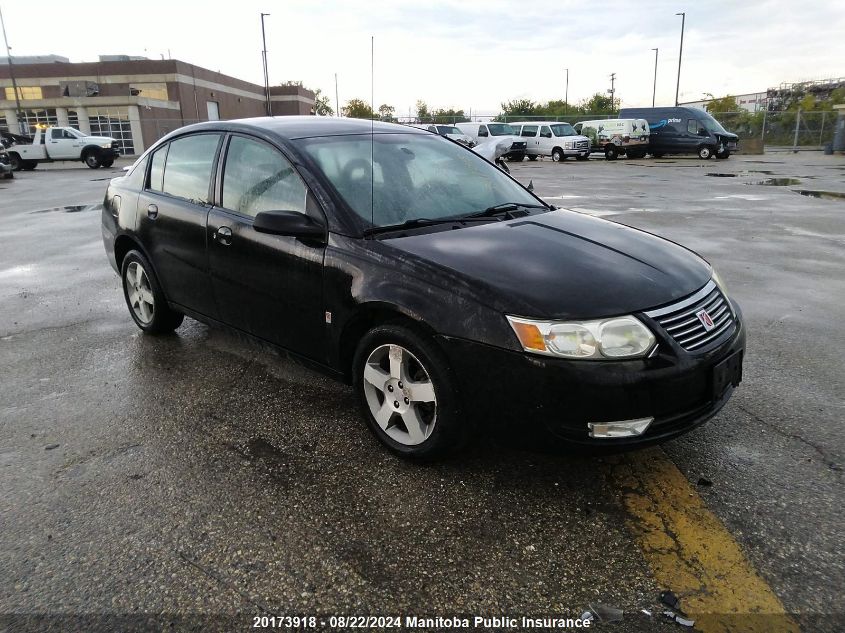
<point x="557" y="155"/>
<point x="658" y="154"/>
<point x="108" y="162"/>
<point x="516" y="158"/>
<point x="16" y="162"/>
<point x="723" y="154"/>
<point x="532" y="157"/>
<point x="427" y="398"/>
<point x="29" y="165"/>
<point x="580" y="157"/>
<point x="611" y="152"/>
<point x="92" y="159"/>
<point x="705" y="152"/>
<point x="144" y="297"/>
<point x="636" y="155"/>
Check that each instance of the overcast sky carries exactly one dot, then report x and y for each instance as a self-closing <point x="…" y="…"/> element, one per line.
<point x="463" y="54"/>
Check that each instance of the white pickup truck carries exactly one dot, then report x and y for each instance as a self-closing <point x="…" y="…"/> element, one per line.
<point x="64" y="143"/>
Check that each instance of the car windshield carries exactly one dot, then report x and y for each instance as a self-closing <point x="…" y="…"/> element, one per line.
<point x="410" y="176"/>
<point x="501" y="129"/>
<point x="75" y="133"/>
<point x="711" y="124"/>
<point x="448" y="129"/>
<point x="563" y="129"/>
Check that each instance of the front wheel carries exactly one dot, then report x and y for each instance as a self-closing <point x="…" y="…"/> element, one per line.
<point x="92" y="159"/>
<point x="704" y="152"/>
<point x="144" y="297"/>
<point x="407" y="393"/>
<point x="723" y="154"/>
<point x="611" y="152"/>
<point x="558" y="155"/>
<point x="108" y="162"/>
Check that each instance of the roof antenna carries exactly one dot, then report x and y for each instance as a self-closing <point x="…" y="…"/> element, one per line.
<point x="372" y="133"/>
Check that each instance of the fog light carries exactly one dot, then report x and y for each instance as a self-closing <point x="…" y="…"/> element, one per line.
<point x="622" y="428"/>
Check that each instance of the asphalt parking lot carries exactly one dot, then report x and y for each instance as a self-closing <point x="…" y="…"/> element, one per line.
<point x="201" y="474"/>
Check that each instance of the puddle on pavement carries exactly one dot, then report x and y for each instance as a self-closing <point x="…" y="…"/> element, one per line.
<point x="723" y="175"/>
<point x="778" y="182"/>
<point x="74" y="208"/>
<point x="827" y="195"/>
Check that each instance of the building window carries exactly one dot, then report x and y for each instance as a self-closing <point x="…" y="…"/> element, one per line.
<point x="31" y="119"/>
<point x="113" y="122"/>
<point x="149" y="91"/>
<point x="25" y="93"/>
<point x="213" y="110"/>
<point x="73" y="119"/>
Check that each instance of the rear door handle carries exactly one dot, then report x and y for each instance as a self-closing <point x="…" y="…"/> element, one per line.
<point x="223" y="236"/>
<point x="152" y="211"/>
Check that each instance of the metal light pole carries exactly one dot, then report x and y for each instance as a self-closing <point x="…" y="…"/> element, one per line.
<point x="654" y="90"/>
<point x="680" y="55"/>
<point x="612" y="91"/>
<point x="264" y="60"/>
<point x="566" y="98"/>
<point x="12" y="75"/>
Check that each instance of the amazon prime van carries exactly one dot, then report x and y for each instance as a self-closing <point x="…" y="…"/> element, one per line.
<point x="684" y="131"/>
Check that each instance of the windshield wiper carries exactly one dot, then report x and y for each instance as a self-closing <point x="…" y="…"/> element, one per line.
<point x="505" y="208"/>
<point x="418" y="222"/>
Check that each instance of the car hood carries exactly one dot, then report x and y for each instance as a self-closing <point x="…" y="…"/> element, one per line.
<point x="97" y="139"/>
<point x="563" y="265"/>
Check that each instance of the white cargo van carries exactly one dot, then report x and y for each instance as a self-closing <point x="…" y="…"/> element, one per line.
<point x="447" y="130"/>
<point x="486" y="132"/>
<point x="617" y="137"/>
<point x="551" y="138"/>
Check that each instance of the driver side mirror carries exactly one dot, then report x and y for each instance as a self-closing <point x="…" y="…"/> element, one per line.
<point x="289" y="223"/>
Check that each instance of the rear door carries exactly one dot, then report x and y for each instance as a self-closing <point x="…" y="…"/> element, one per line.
<point x="267" y="285"/>
<point x="529" y="135"/>
<point x="172" y="214"/>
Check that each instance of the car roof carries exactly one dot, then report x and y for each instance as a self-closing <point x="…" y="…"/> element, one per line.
<point x="534" y="122"/>
<point x="294" y="127"/>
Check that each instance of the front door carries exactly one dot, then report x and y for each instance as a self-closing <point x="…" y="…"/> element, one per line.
<point x="64" y="144"/>
<point x="268" y="285"/>
<point x="545" y="144"/>
<point x="172" y="214"/>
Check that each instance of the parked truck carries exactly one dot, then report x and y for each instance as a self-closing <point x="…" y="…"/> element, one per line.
<point x="63" y="143"/>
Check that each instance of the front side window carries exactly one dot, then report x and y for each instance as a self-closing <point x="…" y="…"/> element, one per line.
<point x="410" y="176"/>
<point x="529" y="131"/>
<point x="482" y="131"/>
<point x="190" y="161"/>
<point x="258" y="178"/>
<point x="157" y="168"/>
<point x="57" y="134"/>
<point x="693" y="126"/>
<point x="501" y="129"/>
<point x="545" y="132"/>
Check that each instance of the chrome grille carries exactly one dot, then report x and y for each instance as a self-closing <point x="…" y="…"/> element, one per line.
<point x="519" y="145"/>
<point x="681" y="321"/>
<point x="582" y="144"/>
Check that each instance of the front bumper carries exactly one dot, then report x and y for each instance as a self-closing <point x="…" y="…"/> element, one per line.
<point x="560" y="397"/>
<point x="576" y="152"/>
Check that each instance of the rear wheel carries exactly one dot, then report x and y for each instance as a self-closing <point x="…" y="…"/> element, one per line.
<point x="636" y="154"/>
<point x="611" y="152"/>
<point x="558" y="155"/>
<point x="704" y="152"/>
<point x="407" y="393"/>
<point x="92" y="159"/>
<point x="29" y="165"/>
<point x="144" y="297"/>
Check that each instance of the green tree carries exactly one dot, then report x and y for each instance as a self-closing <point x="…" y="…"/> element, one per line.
<point x="722" y="104"/>
<point x="449" y="115"/>
<point x="520" y="108"/>
<point x="386" y="112"/>
<point x="322" y="105"/>
<point x="423" y="115"/>
<point x="358" y="109"/>
<point x="599" y="104"/>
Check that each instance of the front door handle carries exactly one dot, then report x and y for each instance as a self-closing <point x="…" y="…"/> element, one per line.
<point x="223" y="236"/>
<point x="152" y="211"/>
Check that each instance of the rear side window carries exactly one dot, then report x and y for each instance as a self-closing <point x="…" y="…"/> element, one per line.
<point x="259" y="178"/>
<point x="157" y="168"/>
<point x="482" y="130"/>
<point x="545" y="132"/>
<point x="190" y="162"/>
<point x="529" y="130"/>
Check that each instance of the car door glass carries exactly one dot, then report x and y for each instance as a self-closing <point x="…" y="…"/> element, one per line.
<point x="545" y="132"/>
<point x="56" y="134"/>
<point x="482" y="130"/>
<point x="259" y="178"/>
<point x="529" y="131"/>
<point x="157" y="168"/>
<point x="187" y="172"/>
<point x="692" y="126"/>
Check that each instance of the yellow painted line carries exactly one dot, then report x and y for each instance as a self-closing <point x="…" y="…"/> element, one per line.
<point x="691" y="553"/>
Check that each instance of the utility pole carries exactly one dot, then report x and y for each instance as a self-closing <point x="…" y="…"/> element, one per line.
<point x="566" y="98"/>
<point x="680" y="56"/>
<point x="336" y="98"/>
<point x="654" y="90"/>
<point x="612" y="91"/>
<point x="266" y="75"/>
<point x="12" y="75"/>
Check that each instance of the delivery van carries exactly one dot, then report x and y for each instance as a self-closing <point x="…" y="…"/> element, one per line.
<point x="616" y="137"/>
<point x="684" y="131"/>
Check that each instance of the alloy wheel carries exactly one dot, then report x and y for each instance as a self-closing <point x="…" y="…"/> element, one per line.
<point x="140" y="293"/>
<point x="400" y="394"/>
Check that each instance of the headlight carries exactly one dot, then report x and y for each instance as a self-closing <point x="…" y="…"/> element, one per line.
<point x="720" y="283"/>
<point x="106" y="145"/>
<point x="615" y="338"/>
<point x="568" y="145"/>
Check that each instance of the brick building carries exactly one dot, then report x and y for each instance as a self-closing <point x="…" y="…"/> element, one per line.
<point x="136" y="101"/>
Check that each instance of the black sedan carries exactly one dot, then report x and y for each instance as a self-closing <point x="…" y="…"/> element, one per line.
<point x="449" y="295"/>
